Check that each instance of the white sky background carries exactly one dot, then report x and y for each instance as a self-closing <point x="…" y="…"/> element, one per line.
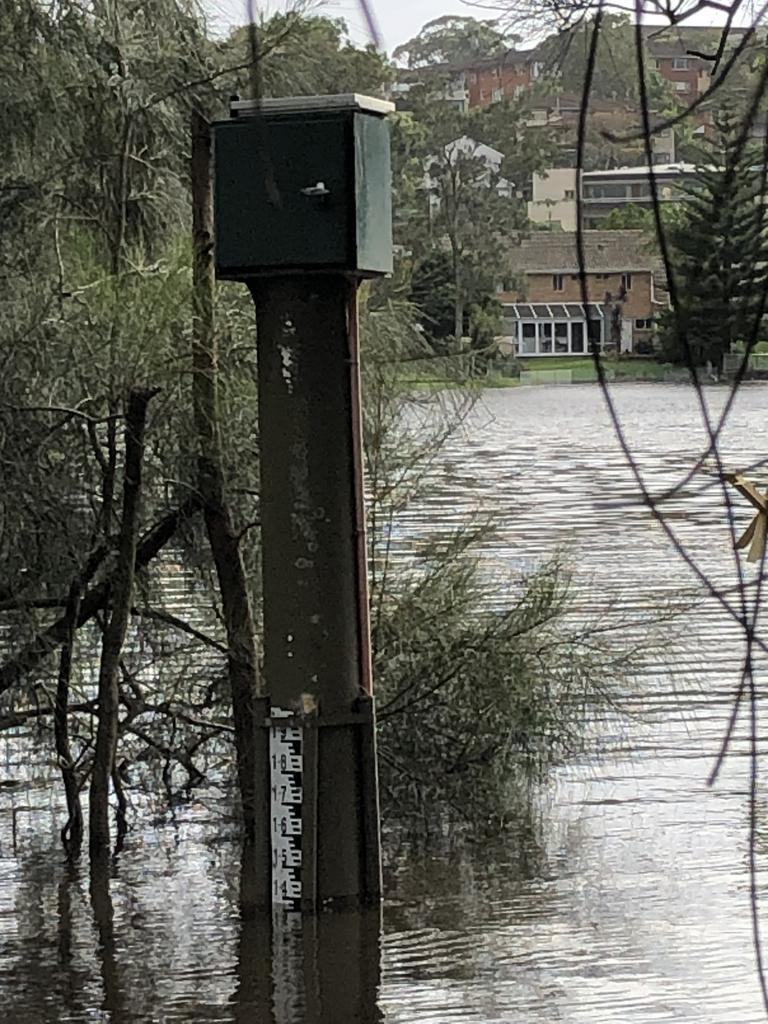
<point x="398" y="20"/>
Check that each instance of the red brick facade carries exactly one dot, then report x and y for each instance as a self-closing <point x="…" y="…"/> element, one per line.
<point x="491" y="81"/>
<point x="541" y="288"/>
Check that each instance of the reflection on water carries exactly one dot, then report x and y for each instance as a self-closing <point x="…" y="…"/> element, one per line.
<point x="626" y="899"/>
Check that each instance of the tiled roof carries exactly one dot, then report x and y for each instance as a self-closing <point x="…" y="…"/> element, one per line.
<point x="605" y="252"/>
<point x="504" y="59"/>
<point x="569" y="102"/>
<point x="676" y="41"/>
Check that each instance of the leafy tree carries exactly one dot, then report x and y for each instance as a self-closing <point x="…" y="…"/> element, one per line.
<point x="640" y="218"/>
<point x="615" y="76"/>
<point x="453" y="39"/>
<point x="628" y="218"/>
<point x="719" y="248"/>
<point x="302" y="55"/>
<point x="433" y="294"/>
<point x="465" y="204"/>
<point x="474" y="211"/>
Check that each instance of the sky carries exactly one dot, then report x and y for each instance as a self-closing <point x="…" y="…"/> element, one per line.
<point x="398" y="20"/>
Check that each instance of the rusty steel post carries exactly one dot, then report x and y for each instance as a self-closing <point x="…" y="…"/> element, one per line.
<point x="316" y="630"/>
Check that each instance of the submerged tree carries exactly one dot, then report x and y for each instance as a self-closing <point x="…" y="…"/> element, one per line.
<point x="97" y="310"/>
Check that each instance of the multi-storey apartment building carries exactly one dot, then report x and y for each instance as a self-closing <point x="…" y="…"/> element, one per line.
<point x="493" y="79"/>
<point x="605" y="191"/>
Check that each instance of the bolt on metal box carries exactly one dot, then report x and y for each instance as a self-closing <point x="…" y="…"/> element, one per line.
<point x="303" y="184"/>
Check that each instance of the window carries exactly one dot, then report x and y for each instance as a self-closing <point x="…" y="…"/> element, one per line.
<point x="644" y="324"/>
<point x="662" y="158"/>
<point x="545" y="338"/>
<point x="682" y="86"/>
<point x="626" y="282"/>
<point x="570" y="193"/>
<point x="605" y="191"/>
<point x="577" y="337"/>
<point x="473" y="78"/>
<point x="680" y="63"/>
<point x="557" y="282"/>
<point x="657" y="64"/>
<point x="561" y="337"/>
<point x="528" y="339"/>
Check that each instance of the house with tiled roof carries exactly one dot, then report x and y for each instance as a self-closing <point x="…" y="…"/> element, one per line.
<point x="544" y="310"/>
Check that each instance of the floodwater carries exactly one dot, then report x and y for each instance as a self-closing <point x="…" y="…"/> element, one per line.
<point x="627" y="900"/>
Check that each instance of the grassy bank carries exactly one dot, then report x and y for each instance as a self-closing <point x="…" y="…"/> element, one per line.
<point x="567" y="370"/>
<point x="557" y="370"/>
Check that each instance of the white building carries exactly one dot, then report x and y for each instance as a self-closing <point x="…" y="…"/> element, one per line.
<point x="465" y="147"/>
<point x="553" y="200"/>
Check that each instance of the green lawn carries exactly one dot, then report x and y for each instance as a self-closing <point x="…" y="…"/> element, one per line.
<point x="582" y="368"/>
<point x="616" y="369"/>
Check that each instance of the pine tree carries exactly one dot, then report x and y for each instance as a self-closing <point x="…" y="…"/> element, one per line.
<point x="719" y="249"/>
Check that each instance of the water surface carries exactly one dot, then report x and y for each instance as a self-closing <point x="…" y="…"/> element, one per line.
<point x="625" y="900"/>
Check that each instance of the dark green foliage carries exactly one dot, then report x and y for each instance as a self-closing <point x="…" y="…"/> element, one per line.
<point x="477" y="703"/>
<point x="433" y="294"/>
<point x="629" y="218"/>
<point x="719" y="248"/>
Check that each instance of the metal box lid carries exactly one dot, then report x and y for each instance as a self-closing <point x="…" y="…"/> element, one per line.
<point x="312" y="104"/>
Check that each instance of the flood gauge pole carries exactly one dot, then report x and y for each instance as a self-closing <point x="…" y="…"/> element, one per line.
<point x="303" y="213"/>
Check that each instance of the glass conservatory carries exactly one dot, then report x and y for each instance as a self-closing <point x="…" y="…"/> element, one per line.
<point x="554" y="328"/>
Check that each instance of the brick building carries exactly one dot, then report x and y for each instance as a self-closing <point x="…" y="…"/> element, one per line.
<point x="544" y="315"/>
<point x="493" y="79"/>
<point x="679" y="54"/>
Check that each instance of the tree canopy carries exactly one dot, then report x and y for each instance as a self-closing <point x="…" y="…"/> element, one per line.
<point x="460" y="204"/>
<point x="719" y="248"/>
<point x="453" y="38"/>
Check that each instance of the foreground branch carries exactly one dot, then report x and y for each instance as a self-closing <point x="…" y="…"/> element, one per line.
<point x="117" y="622"/>
<point x="224" y="539"/>
<point x="32" y="654"/>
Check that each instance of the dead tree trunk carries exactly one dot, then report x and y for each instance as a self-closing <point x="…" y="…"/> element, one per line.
<point x="72" y="833"/>
<point x="117" y="624"/>
<point x="250" y="739"/>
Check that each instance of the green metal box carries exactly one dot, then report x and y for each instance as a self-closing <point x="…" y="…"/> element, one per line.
<point x="302" y="185"/>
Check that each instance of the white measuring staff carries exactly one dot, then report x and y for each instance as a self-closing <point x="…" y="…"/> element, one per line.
<point x="286" y="791"/>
